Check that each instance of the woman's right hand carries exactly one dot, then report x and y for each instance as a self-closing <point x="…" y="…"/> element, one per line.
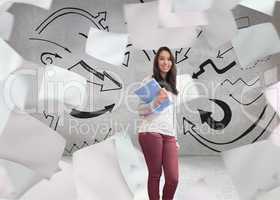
<point x="162" y="95"/>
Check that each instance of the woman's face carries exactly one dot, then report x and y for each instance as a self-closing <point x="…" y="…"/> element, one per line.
<point x="164" y="62"/>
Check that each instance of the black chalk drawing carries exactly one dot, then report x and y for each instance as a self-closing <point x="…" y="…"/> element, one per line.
<point x="97" y="20"/>
<point x="142" y="1"/>
<point x="101" y="76"/>
<point x="181" y="55"/>
<point x="240" y="80"/>
<point x="263" y="131"/>
<point x="75" y="147"/>
<point x="185" y="132"/>
<point x="221" y="54"/>
<point x="52" y="120"/>
<point x="203" y="141"/>
<point x="246" y="104"/>
<point x="48" y="57"/>
<point x="243" y="22"/>
<point x="149" y="54"/>
<point x="83" y="35"/>
<point x="210" y="62"/>
<point x="205" y="116"/>
<point x="127" y="56"/>
<point x="51" y="42"/>
<point x="263" y="60"/>
<point x="84" y="114"/>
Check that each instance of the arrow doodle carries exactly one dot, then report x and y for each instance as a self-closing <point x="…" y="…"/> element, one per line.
<point x="210" y="62"/>
<point x="198" y="140"/>
<point x="180" y="53"/>
<point x="220" y="55"/>
<point x="246" y="104"/>
<point x="52" y="119"/>
<point x="48" y="41"/>
<point x="48" y="56"/>
<point x="84" y="114"/>
<point x="99" y="75"/>
<point x="205" y="116"/>
<point x="97" y="20"/>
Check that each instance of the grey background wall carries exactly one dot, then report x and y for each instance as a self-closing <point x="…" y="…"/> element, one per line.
<point x="62" y="32"/>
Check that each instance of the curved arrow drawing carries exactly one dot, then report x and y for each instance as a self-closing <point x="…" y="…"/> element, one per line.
<point x="44" y="40"/>
<point x="210" y="62"/>
<point x="47" y="56"/>
<point x="85" y="114"/>
<point x="205" y="116"/>
<point x="183" y="55"/>
<point x="96" y="20"/>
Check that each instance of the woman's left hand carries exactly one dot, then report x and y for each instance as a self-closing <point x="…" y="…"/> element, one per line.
<point x="177" y="145"/>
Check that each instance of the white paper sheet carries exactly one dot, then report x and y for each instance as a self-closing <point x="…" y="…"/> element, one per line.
<point x="254" y="168"/>
<point x="28" y="141"/>
<point x="61" y="186"/>
<point x="7" y="22"/>
<point x="266" y="7"/>
<point x="62" y="86"/>
<point x="15" y="179"/>
<point x="46" y="4"/>
<point x="272" y="95"/>
<point x="132" y="168"/>
<point x="97" y="173"/>
<point x="10" y="60"/>
<point x="221" y="23"/>
<point x="190" y="5"/>
<point x="142" y="23"/>
<point x="168" y="19"/>
<point x="106" y="46"/>
<point x="249" y="43"/>
<point x="271" y="195"/>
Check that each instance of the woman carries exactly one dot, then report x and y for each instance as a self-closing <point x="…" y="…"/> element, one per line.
<point x="157" y="132"/>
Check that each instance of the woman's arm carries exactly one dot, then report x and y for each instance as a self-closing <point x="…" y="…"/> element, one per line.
<point x="145" y="109"/>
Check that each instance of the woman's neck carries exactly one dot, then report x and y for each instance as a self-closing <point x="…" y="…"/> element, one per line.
<point x="163" y="75"/>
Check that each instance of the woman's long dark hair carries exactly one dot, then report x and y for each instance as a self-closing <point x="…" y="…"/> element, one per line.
<point x="169" y="83"/>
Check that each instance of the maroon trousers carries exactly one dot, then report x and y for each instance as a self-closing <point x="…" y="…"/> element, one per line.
<point x="160" y="151"/>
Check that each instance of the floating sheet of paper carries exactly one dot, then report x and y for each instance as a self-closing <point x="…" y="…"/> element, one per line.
<point x="254" y="168"/>
<point x="64" y="86"/>
<point x="275" y="136"/>
<point x="249" y="44"/>
<point x="15" y="179"/>
<point x="272" y="94"/>
<point x="189" y="5"/>
<point x="10" y="60"/>
<point x="142" y="22"/>
<point x="46" y="4"/>
<point x="106" y="46"/>
<point x="129" y="160"/>
<point x="271" y="195"/>
<point x="266" y="6"/>
<point x="97" y="173"/>
<point x="28" y="141"/>
<point x="221" y="23"/>
<point x="167" y="18"/>
<point x="6" y="30"/>
<point x="61" y="186"/>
